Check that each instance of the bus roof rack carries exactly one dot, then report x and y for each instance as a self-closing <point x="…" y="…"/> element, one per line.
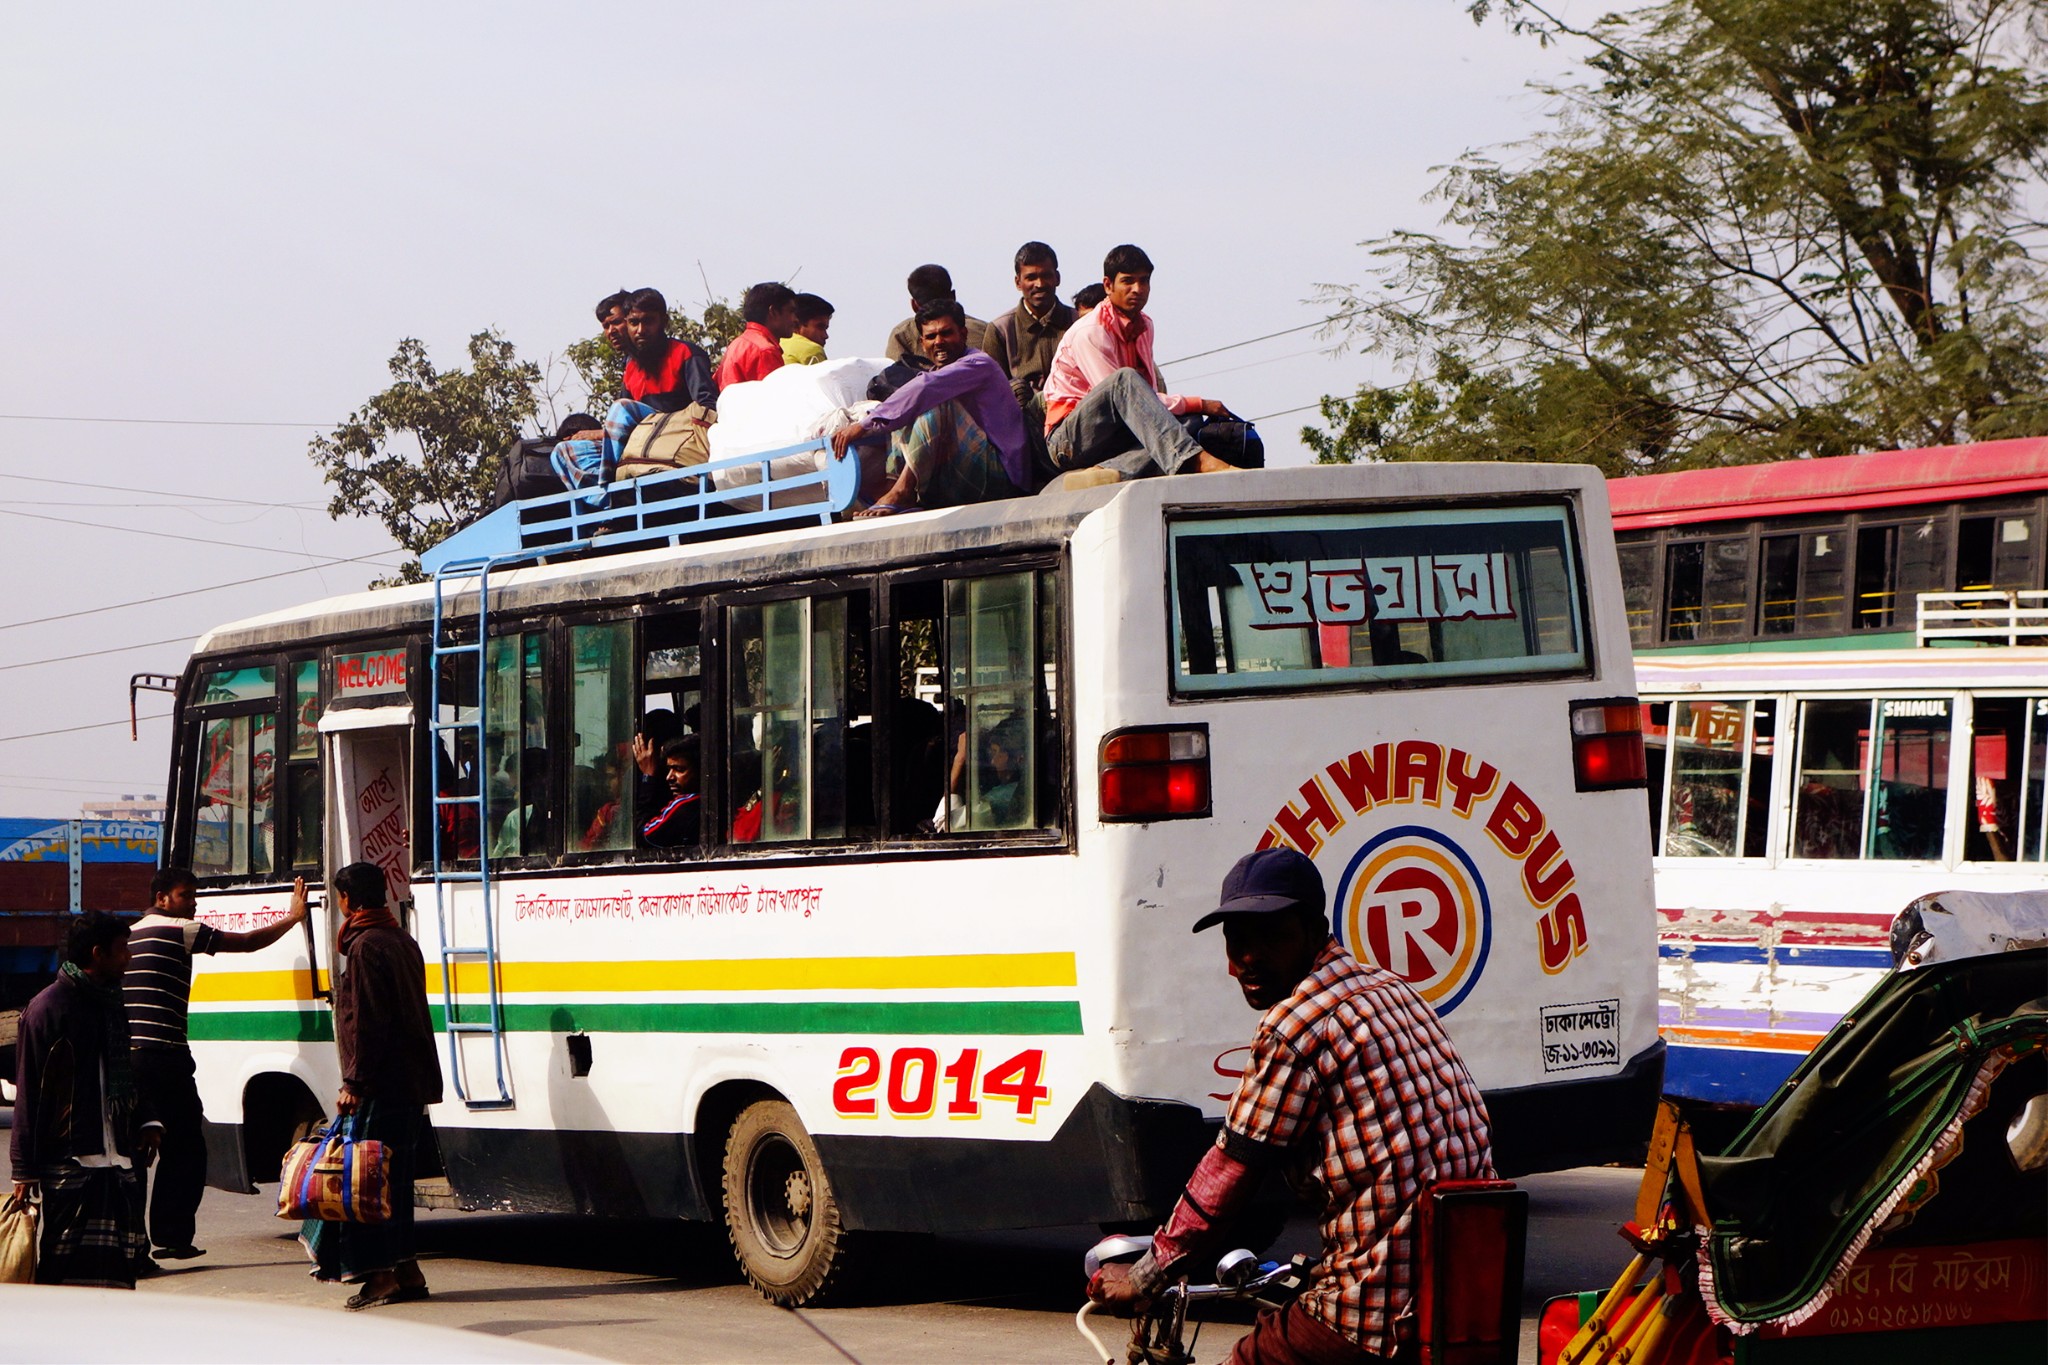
<point x="804" y="483"/>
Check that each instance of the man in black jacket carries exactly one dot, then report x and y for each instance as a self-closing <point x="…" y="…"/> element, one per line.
<point x="82" y="1132"/>
<point x="389" y="1075"/>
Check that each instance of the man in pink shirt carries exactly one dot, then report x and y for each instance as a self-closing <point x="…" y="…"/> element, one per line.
<point x="1105" y="417"/>
<point x="756" y="353"/>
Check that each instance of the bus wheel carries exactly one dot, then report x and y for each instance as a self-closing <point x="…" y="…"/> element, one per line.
<point x="780" y="1211"/>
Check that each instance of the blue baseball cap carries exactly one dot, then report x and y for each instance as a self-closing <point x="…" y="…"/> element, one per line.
<point x="1271" y="879"/>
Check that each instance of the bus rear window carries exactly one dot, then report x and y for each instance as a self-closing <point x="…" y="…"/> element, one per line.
<point x="1320" y="599"/>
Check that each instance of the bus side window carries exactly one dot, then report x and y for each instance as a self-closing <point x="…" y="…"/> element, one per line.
<point x="974" y="738"/>
<point x="303" y="769"/>
<point x="797" y="743"/>
<point x="1656" y="740"/>
<point x="1827" y="810"/>
<point x="1910" y="781"/>
<point x="234" y="774"/>
<point x="2008" y="752"/>
<point x="602" y="720"/>
<point x="519" y="811"/>
<point x="1720" y="757"/>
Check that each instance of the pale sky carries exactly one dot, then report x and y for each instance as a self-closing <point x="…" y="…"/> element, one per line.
<point x="231" y="213"/>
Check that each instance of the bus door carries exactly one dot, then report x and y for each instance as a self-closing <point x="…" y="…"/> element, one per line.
<point x="369" y="776"/>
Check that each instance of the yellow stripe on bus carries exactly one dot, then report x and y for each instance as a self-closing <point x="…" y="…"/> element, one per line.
<point x="961" y="971"/>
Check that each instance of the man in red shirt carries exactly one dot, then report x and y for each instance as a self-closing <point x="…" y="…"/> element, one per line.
<point x="1353" y="1088"/>
<point x="756" y="353"/>
<point x="664" y="372"/>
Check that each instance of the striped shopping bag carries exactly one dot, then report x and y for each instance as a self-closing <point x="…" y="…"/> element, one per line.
<point x="336" y="1177"/>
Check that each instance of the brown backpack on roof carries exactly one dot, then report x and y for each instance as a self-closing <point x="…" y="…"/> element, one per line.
<point x="667" y="440"/>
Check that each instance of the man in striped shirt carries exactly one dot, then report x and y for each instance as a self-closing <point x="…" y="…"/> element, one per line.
<point x="157" y="990"/>
<point x="1354" y="1089"/>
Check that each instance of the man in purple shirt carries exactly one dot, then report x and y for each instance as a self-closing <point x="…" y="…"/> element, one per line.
<point x="958" y="434"/>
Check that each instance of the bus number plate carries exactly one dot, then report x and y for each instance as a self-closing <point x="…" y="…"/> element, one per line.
<point x="916" y="1083"/>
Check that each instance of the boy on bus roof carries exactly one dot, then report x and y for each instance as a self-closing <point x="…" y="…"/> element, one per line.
<point x="756" y="353"/>
<point x="959" y="434"/>
<point x="1087" y="299"/>
<point x="806" y="345"/>
<point x="930" y="284"/>
<point x="1106" y="418"/>
<point x="611" y="318"/>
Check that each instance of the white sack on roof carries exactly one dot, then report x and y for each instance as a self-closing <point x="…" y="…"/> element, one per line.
<point x="795" y="403"/>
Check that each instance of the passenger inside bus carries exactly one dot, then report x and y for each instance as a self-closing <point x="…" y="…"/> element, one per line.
<point x="675" y="825"/>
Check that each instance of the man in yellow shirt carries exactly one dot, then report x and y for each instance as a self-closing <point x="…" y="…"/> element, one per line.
<point x="806" y="345"/>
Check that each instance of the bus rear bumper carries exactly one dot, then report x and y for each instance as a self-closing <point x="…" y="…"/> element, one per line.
<point x="1578" y="1123"/>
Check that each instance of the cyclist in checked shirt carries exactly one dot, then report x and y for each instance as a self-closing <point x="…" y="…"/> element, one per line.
<point x="1353" y="1083"/>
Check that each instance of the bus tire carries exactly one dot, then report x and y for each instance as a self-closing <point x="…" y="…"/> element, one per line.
<point x="780" y="1213"/>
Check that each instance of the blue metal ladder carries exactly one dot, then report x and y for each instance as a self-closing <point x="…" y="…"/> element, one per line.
<point x="663" y="508"/>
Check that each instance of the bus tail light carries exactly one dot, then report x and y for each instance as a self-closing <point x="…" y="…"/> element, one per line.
<point x="1155" y="772"/>
<point x="1607" y="745"/>
<point x="1468" y="1301"/>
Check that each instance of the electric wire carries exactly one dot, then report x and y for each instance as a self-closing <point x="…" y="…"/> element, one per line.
<point x="95" y="653"/>
<point x="193" y="592"/>
<point x="75" y="729"/>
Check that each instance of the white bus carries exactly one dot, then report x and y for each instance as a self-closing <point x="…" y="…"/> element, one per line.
<point x="1844" y="672"/>
<point x="928" y="966"/>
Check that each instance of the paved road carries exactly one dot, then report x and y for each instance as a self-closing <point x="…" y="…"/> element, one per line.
<point x="669" y="1292"/>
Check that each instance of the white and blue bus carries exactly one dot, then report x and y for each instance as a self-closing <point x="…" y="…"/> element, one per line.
<point x="928" y="965"/>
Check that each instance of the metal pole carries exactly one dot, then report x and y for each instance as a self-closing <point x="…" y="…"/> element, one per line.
<point x="76" y="843"/>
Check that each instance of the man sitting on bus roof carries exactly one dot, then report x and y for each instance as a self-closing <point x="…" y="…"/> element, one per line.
<point x="665" y="373"/>
<point x="929" y="284"/>
<point x="959" y="434"/>
<point x="1352" y="1080"/>
<point x="756" y="353"/>
<point x="1105" y="417"/>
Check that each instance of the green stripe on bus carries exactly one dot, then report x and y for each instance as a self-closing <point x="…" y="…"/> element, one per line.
<point x="261" y="1026"/>
<point x="1001" y="1017"/>
<point x="795" y="1016"/>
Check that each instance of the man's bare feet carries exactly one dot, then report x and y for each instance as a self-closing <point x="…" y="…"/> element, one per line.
<point x="1205" y="463"/>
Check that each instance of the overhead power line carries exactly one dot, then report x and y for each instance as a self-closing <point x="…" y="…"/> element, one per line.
<point x="96" y="653"/>
<point x="150" y="421"/>
<point x="75" y="729"/>
<point x="193" y="592"/>
<point x="160" y="535"/>
<point x="153" y="492"/>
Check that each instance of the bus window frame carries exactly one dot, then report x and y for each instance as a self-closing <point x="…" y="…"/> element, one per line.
<point x="1949" y="515"/>
<point x="1776" y="796"/>
<point x="191" y="720"/>
<point x="717" y="683"/>
<point x="1589" y="630"/>
<point x="887" y="664"/>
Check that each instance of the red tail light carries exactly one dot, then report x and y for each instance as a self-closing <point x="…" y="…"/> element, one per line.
<point x="1469" y="1302"/>
<point x="1607" y="745"/>
<point x="1155" y="773"/>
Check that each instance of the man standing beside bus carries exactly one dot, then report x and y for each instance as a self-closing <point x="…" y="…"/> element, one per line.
<point x="158" y="992"/>
<point x="1352" y="1082"/>
<point x="389" y="1075"/>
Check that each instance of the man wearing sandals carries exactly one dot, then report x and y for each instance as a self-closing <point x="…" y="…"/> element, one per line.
<point x="958" y="433"/>
<point x="389" y="1075"/>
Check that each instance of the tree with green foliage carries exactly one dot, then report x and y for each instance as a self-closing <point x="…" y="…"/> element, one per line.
<point x="421" y="455"/>
<point x="1762" y="229"/>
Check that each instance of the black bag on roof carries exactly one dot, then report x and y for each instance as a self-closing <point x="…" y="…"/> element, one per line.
<point x="1230" y="439"/>
<point x="525" y="471"/>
